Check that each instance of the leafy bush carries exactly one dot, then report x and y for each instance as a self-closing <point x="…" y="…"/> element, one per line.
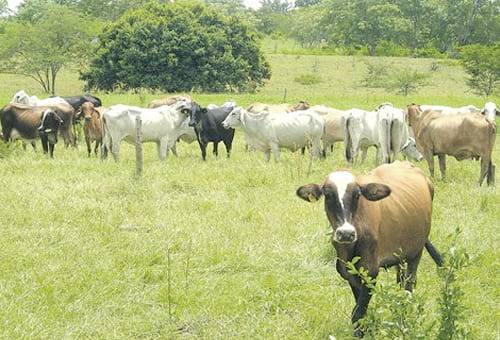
<point x="482" y="63"/>
<point x="175" y="47"/>
<point x="376" y="74"/>
<point x="398" y="314"/>
<point x="407" y="81"/>
<point x="308" y="79"/>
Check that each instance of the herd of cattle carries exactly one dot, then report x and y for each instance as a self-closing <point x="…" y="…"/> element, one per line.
<point x="420" y="132"/>
<point x="383" y="217"/>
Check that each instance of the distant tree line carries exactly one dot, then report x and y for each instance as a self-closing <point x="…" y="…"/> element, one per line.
<point x="213" y="45"/>
<point x="386" y="27"/>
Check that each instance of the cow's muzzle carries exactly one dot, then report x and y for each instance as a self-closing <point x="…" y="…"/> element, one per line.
<point x="225" y="125"/>
<point x="345" y="234"/>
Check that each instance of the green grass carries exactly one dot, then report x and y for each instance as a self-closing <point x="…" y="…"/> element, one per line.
<point x="216" y="249"/>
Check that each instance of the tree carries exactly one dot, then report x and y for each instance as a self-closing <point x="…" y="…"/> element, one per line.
<point x="4" y="7"/>
<point x="482" y="64"/>
<point x="39" y="48"/>
<point x="180" y="46"/>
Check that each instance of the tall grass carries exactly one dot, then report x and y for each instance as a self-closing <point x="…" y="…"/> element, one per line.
<point x="215" y="249"/>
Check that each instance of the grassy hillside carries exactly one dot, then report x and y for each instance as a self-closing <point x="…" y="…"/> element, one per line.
<point x="216" y="249"/>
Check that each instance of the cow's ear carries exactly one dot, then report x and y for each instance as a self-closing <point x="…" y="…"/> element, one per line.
<point x="375" y="191"/>
<point x="310" y="192"/>
<point x="482" y="112"/>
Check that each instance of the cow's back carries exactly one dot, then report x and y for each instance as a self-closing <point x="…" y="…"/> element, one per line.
<point x="462" y="136"/>
<point x="402" y="220"/>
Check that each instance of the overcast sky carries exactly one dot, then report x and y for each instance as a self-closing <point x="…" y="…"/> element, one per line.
<point x="249" y="3"/>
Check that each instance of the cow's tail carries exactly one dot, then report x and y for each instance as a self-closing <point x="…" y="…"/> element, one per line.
<point x="347" y="138"/>
<point x="436" y="256"/>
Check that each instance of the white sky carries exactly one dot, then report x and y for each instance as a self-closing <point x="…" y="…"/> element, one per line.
<point x="249" y="3"/>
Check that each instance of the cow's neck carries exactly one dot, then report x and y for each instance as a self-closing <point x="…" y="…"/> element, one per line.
<point x="252" y="124"/>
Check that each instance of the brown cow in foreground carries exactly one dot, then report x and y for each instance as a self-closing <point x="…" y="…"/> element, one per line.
<point x="383" y="217"/>
<point x="92" y="126"/>
<point x="462" y="136"/>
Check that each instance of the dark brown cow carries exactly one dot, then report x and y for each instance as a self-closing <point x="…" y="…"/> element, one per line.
<point x="463" y="136"/>
<point x="20" y="121"/>
<point x="92" y="125"/>
<point x="383" y="217"/>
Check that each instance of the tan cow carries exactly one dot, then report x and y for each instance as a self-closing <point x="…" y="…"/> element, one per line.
<point x="92" y="125"/>
<point x="169" y="101"/>
<point x="383" y="217"/>
<point x="333" y="126"/>
<point x="277" y="108"/>
<point x="462" y="136"/>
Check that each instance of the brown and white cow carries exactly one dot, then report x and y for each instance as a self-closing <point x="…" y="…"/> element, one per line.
<point x="92" y="125"/>
<point x="463" y="136"/>
<point x="383" y="217"/>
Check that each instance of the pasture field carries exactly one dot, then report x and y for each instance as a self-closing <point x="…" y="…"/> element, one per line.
<point x="222" y="248"/>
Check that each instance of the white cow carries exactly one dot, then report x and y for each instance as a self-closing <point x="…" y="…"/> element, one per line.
<point x="332" y="119"/>
<point x="270" y="132"/>
<point x="447" y="110"/>
<point x="162" y="125"/>
<point x="23" y="98"/>
<point x="363" y="129"/>
<point x="490" y="111"/>
<point x="400" y="135"/>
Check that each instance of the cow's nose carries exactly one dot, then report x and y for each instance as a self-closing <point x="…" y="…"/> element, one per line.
<point x="225" y="125"/>
<point x="345" y="234"/>
<point x="191" y="124"/>
<point x="87" y="118"/>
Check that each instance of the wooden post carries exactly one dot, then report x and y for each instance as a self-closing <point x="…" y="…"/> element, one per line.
<point x="138" y="146"/>
<point x="284" y="97"/>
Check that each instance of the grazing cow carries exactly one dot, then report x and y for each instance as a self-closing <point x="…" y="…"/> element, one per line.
<point x="383" y="217"/>
<point x="77" y="101"/>
<point x="400" y="136"/>
<point x="461" y="136"/>
<point x="268" y="132"/>
<point x="333" y="126"/>
<point x="278" y="108"/>
<point x="48" y="130"/>
<point x="363" y="129"/>
<point x="22" y="97"/>
<point x="208" y="127"/>
<point x="169" y="101"/>
<point x="447" y="110"/>
<point x="92" y="125"/>
<point x="161" y="125"/>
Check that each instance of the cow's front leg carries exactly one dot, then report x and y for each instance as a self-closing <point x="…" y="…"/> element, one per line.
<point x="276" y="151"/>
<point x="45" y="144"/>
<point x="163" y="148"/>
<point x="228" y="146"/>
<point x="267" y="155"/>
<point x="442" y="166"/>
<point x="430" y="162"/>
<point x="216" y="149"/>
<point x="360" y="309"/>
<point x="203" y="148"/>
<point x="51" y="150"/>
<point x="364" y="152"/>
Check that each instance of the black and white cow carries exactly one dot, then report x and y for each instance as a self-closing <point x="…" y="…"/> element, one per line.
<point x="208" y="127"/>
<point x="48" y="130"/>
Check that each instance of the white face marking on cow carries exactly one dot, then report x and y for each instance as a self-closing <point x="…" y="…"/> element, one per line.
<point x="341" y="179"/>
<point x="490" y="110"/>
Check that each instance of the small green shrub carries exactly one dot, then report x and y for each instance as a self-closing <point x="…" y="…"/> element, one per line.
<point x="407" y="81"/>
<point x="376" y="74"/>
<point x="308" y="79"/>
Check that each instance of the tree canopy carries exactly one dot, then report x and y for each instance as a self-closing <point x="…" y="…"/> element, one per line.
<point x="177" y="47"/>
<point x="44" y="41"/>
